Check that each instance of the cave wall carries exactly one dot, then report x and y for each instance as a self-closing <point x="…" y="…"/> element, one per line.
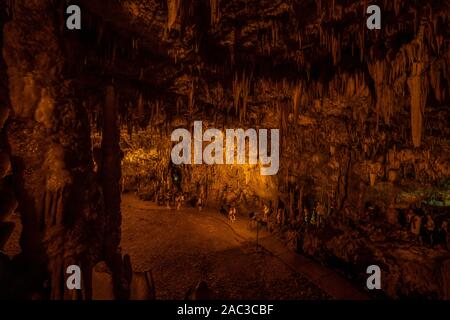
<point x="365" y="174"/>
<point x="363" y="114"/>
<point x="8" y="201"/>
<point x="60" y="199"/>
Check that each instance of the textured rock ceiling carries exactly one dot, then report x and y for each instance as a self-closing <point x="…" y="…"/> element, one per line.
<point x="199" y="49"/>
<point x="263" y="28"/>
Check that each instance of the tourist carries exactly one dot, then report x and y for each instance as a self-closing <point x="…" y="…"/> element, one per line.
<point x="232" y="214"/>
<point x="200" y="203"/>
<point x="442" y="235"/>
<point x="429" y="230"/>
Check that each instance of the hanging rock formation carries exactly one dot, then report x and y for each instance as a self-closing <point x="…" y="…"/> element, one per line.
<point x="363" y="116"/>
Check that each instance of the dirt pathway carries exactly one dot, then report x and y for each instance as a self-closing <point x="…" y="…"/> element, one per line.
<point x="184" y="247"/>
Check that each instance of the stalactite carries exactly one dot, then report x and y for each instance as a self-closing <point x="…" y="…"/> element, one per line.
<point x="436" y="82"/>
<point x="284" y="117"/>
<point x="215" y="12"/>
<point x="191" y="103"/>
<point x="385" y="99"/>
<point x="10" y="4"/>
<point x="179" y="105"/>
<point x="140" y="106"/>
<point x="236" y="93"/>
<point x="319" y="10"/>
<point x="362" y="43"/>
<point x="241" y="91"/>
<point x="245" y="94"/>
<point x="418" y="89"/>
<point x="296" y="96"/>
<point x="416" y="56"/>
<point x="335" y="48"/>
<point x="173" y="7"/>
<point x="113" y="52"/>
<point x="274" y="33"/>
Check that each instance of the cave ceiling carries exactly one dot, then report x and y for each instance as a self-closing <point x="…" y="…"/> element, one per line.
<point x="170" y="50"/>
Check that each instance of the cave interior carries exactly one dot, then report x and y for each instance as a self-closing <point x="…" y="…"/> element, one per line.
<point x="85" y="149"/>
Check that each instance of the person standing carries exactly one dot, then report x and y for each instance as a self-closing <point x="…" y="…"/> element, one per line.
<point x="200" y="203"/>
<point x="232" y="214"/>
<point x="442" y="234"/>
<point x="429" y="230"/>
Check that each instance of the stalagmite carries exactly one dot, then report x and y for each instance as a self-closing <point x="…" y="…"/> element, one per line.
<point x="111" y="172"/>
<point x="142" y="286"/>
<point x="102" y="282"/>
<point x="8" y="202"/>
<point x="58" y="182"/>
<point x="5" y="164"/>
<point x="6" y="229"/>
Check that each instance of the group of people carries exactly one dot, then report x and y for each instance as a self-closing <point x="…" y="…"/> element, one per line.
<point x="426" y="229"/>
<point x="314" y="217"/>
<point x="304" y="216"/>
<point x="230" y="213"/>
<point x="180" y="200"/>
<point x="171" y="193"/>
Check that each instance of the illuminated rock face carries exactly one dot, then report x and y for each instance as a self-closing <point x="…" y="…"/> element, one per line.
<point x="363" y="119"/>
<point x="234" y="147"/>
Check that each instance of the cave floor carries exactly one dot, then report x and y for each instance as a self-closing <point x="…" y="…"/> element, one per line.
<point x="184" y="247"/>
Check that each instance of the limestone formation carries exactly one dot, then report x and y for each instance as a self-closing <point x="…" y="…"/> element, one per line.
<point x="363" y="119"/>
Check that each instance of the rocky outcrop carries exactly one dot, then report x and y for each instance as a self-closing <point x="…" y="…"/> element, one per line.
<point x="48" y="133"/>
<point x="8" y="203"/>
